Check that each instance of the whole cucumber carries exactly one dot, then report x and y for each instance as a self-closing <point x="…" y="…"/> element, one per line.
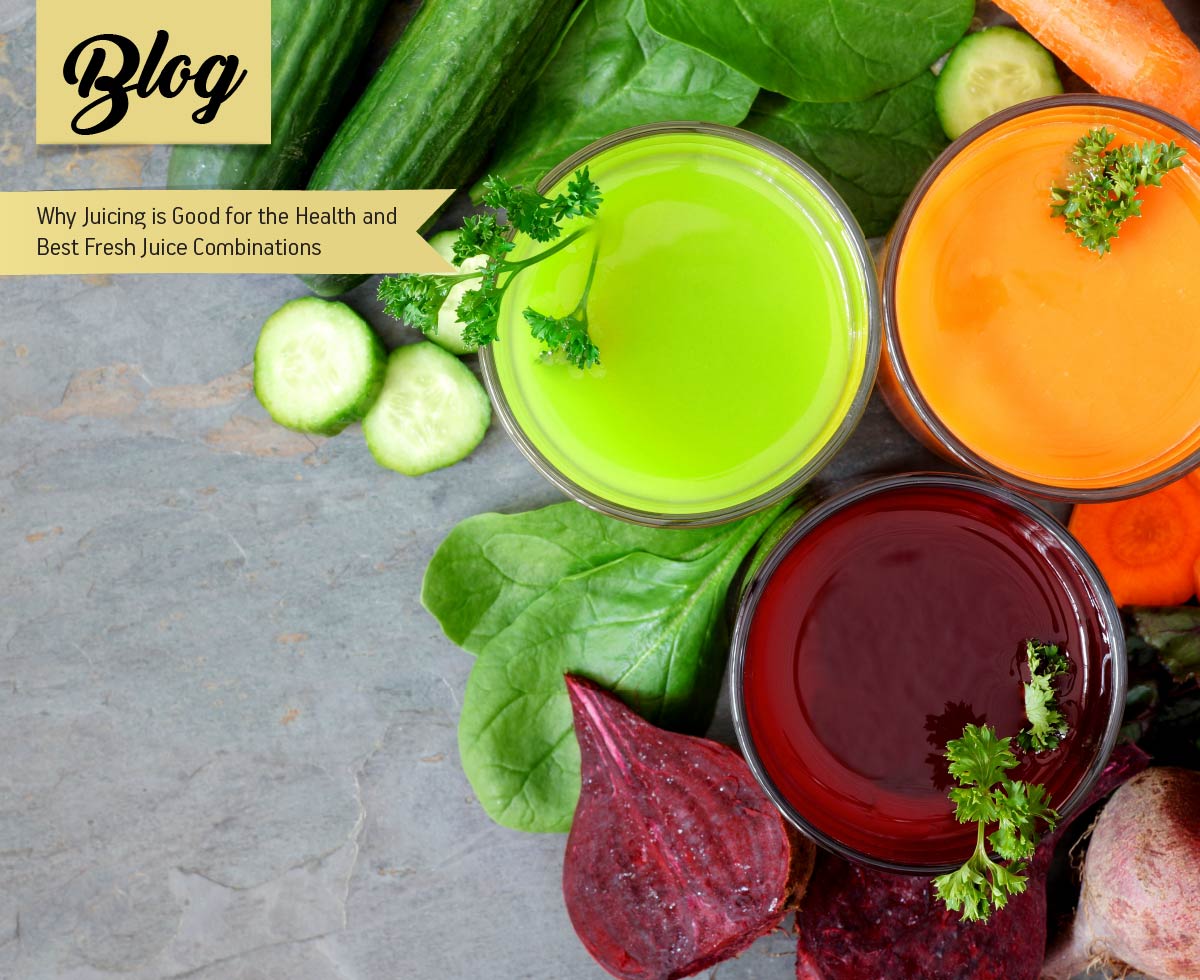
<point x="428" y="117"/>
<point x="316" y="46"/>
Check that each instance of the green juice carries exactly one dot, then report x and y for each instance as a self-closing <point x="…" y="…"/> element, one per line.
<point x="730" y="306"/>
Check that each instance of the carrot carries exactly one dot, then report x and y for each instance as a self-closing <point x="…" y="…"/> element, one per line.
<point x="1130" y="48"/>
<point x="1196" y="576"/>
<point x="1146" y="547"/>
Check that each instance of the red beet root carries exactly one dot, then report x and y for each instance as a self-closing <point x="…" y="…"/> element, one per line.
<point x="1141" y="881"/>
<point x="676" y="860"/>
<point x="856" y="923"/>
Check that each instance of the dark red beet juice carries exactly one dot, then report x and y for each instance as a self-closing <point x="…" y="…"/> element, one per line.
<point x="894" y="620"/>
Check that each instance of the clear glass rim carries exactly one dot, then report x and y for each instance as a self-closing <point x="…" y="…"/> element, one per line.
<point x="874" y="339"/>
<point x="895" y="352"/>
<point x="1114" y="659"/>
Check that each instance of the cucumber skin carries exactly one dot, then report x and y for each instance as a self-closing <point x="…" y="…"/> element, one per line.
<point x="428" y="117"/>
<point x="355" y="412"/>
<point x="316" y="46"/>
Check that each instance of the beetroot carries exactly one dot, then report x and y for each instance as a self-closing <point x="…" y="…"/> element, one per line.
<point x="676" y="859"/>
<point x="860" y="924"/>
<point x="856" y="923"/>
<point x="1140" y="901"/>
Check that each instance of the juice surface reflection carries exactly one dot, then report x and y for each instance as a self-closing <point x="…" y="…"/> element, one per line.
<point x="1052" y="363"/>
<point x="889" y="626"/>
<point x="731" y="312"/>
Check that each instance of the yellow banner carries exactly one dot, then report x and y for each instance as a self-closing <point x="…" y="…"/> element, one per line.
<point x="138" y="231"/>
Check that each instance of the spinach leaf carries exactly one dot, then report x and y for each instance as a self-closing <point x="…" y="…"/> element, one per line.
<point x="647" y="626"/>
<point x="1162" y="706"/>
<point x="873" y="152"/>
<point x="1174" y="633"/>
<point x="818" y="50"/>
<point x="611" y="71"/>
<point x="492" y="566"/>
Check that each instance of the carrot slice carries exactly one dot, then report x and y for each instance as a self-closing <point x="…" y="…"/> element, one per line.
<point x="1196" y="576"/>
<point x="1146" y="547"/>
<point x="1131" y="48"/>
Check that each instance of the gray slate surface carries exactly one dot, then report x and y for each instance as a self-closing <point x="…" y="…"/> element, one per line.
<point x="228" y="725"/>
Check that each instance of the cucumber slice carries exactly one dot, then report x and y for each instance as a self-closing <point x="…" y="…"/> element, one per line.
<point x="450" y="328"/>
<point x="990" y="71"/>
<point x="431" y="413"/>
<point x="318" y="366"/>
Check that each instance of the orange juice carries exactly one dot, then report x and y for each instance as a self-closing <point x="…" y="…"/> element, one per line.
<point x="1048" y="364"/>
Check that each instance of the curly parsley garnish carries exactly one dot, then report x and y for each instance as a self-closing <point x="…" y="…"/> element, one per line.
<point x="979" y="761"/>
<point x="416" y="299"/>
<point x="1101" y="192"/>
<point x="1047" y="725"/>
<point x="985" y="796"/>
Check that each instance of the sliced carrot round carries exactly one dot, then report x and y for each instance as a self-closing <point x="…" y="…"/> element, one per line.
<point x="1146" y="547"/>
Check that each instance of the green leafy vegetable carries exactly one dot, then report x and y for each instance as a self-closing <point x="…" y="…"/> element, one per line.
<point x="773" y="535"/>
<point x="416" y="299"/>
<point x="612" y="71"/>
<point x="641" y="611"/>
<point x="1162" y="705"/>
<point x="1175" y="736"/>
<point x="1101" y="192"/>
<point x="818" y="50"/>
<point x="1047" y="727"/>
<point x="1174" y="631"/>
<point x="492" y="566"/>
<point x="873" y="151"/>
<point x="979" y="761"/>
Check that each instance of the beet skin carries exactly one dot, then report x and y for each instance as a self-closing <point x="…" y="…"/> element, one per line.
<point x="676" y="859"/>
<point x="1141" y="882"/>
<point x="856" y="923"/>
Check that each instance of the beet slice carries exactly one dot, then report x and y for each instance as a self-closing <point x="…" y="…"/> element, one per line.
<point x="856" y="923"/>
<point x="676" y="859"/>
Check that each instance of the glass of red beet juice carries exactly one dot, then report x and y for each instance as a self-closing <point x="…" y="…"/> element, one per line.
<point x="886" y="619"/>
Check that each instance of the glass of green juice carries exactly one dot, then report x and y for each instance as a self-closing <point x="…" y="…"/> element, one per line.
<point x="734" y="306"/>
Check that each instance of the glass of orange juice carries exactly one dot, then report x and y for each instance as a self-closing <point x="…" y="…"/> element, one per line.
<point x="1014" y="350"/>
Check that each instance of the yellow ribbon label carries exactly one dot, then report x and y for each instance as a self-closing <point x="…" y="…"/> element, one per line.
<point x="140" y="231"/>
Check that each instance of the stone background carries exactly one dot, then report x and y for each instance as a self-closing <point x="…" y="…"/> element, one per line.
<point x="228" y="726"/>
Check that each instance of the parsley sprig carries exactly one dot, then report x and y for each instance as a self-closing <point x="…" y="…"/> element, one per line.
<point x="416" y="299"/>
<point x="569" y="333"/>
<point x="1047" y="726"/>
<point x="1101" y="192"/>
<point x="985" y="796"/>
